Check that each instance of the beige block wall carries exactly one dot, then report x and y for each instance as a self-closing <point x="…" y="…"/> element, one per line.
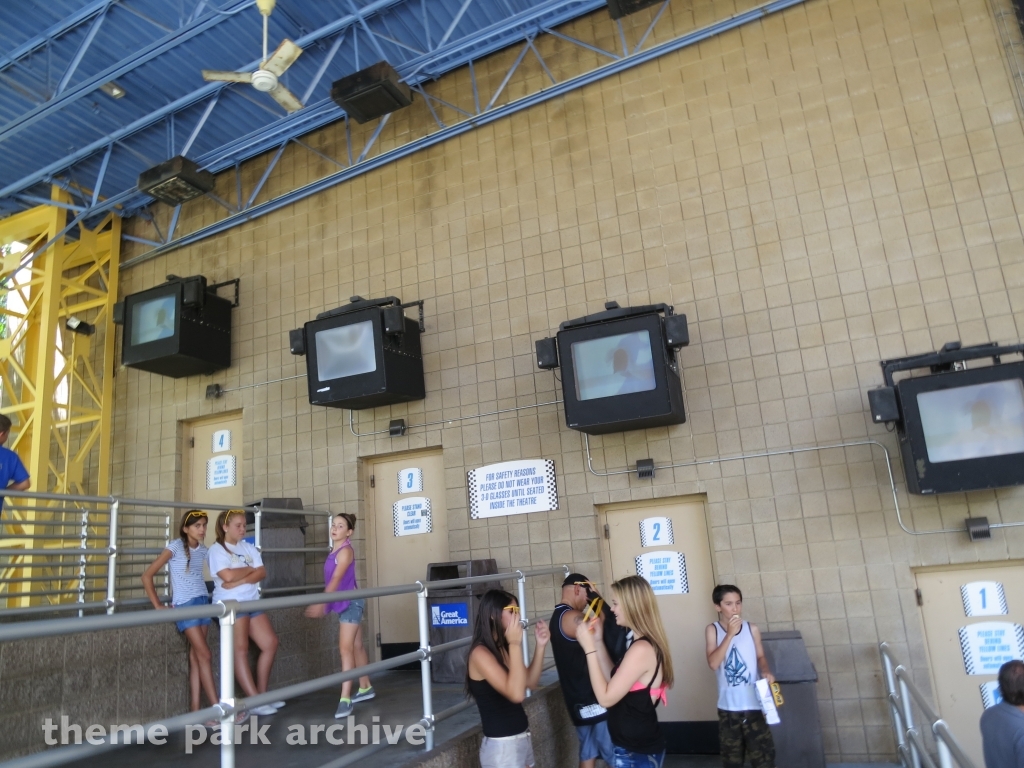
<point x="838" y="184"/>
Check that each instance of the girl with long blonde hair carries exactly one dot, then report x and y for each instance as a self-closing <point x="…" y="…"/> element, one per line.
<point x="632" y="690"/>
<point x="237" y="569"/>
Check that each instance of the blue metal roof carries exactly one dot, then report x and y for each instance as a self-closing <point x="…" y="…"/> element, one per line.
<point x="58" y="126"/>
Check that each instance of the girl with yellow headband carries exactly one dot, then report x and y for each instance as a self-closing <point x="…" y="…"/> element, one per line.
<point x="186" y="556"/>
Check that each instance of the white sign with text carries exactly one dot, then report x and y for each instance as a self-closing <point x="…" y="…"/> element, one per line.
<point x="988" y="645"/>
<point x="665" y="571"/>
<point x="412" y="516"/>
<point x="512" y="488"/>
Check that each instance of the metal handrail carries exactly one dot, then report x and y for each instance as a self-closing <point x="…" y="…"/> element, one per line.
<point x="902" y="694"/>
<point x="226" y="612"/>
<point x="101" y="519"/>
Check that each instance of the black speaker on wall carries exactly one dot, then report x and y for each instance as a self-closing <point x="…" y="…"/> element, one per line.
<point x="371" y="93"/>
<point x="619" y="8"/>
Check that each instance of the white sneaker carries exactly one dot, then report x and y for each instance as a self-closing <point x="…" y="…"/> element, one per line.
<point x="263" y="710"/>
<point x="278" y="704"/>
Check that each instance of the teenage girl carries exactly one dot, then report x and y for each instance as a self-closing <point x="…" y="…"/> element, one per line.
<point x="186" y="555"/>
<point x="632" y="689"/>
<point x="237" y="568"/>
<point x="497" y="677"/>
<point x="340" y="576"/>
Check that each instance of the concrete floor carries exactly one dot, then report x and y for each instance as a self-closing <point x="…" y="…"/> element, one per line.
<point x="398" y="702"/>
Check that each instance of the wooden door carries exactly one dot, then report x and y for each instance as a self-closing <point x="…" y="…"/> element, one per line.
<point x="972" y="625"/>
<point x="668" y="540"/>
<point x="213" y="464"/>
<point x="409" y="530"/>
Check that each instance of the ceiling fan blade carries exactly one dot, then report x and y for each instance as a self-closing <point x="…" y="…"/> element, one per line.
<point x="286" y="98"/>
<point x="285" y="55"/>
<point x="216" y="75"/>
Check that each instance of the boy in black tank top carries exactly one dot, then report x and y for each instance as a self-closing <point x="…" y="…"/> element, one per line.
<point x="589" y="717"/>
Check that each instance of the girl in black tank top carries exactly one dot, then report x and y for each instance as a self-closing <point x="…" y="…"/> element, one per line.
<point x="632" y="690"/>
<point x="497" y="678"/>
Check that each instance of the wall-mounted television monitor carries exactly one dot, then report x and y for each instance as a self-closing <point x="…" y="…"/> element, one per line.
<point x="362" y="355"/>
<point x="619" y="370"/>
<point x="963" y="430"/>
<point x="180" y="328"/>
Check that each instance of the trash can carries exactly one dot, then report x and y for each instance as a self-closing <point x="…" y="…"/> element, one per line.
<point x="798" y="740"/>
<point x="453" y="613"/>
<point x="279" y="530"/>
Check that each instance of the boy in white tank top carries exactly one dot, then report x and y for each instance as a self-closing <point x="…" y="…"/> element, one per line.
<point x="735" y="654"/>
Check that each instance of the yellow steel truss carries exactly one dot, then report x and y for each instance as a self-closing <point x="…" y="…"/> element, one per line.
<point x="57" y="386"/>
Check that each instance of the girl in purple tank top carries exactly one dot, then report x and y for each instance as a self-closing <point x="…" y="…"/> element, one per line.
<point x="340" y="576"/>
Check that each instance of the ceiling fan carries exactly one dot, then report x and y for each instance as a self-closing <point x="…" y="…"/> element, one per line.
<point x="266" y="78"/>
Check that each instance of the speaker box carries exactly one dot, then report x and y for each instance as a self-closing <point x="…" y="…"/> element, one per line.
<point x="371" y="93"/>
<point x="884" y="407"/>
<point x="677" y="332"/>
<point x="175" y="181"/>
<point x="547" y="354"/>
<point x="619" y="8"/>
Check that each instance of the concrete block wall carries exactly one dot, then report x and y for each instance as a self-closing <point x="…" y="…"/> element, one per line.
<point x="132" y="675"/>
<point x="837" y="184"/>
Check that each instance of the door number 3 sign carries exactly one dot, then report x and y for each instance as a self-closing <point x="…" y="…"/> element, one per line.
<point x="410" y="480"/>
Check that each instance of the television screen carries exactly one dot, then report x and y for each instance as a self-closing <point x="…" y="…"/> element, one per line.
<point x="347" y="350"/>
<point x="973" y="422"/>
<point x="613" y="365"/>
<point x="153" y="320"/>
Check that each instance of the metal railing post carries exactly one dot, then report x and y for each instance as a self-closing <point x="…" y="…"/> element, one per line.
<point x="112" y="556"/>
<point x="945" y="756"/>
<point x="227" y="685"/>
<point x="84" y="543"/>
<point x="423" y="619"/>
<point x="167" y="565"/>
<point x="521" y="584"/>
<point x="893" y="700"/>
<point x="258" y="537"/>
<point x="908" y="720"/>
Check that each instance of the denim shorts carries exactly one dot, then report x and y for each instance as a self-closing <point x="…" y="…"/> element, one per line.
<point x="595" y="741"/>
<point x="626" y="759"/>
<point x="189" y="623"/>
<point x="354" y="613"/>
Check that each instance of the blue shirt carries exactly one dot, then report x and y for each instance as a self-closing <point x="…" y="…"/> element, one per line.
<point x="11" y="469"/>
<point x="1002" y="734"/>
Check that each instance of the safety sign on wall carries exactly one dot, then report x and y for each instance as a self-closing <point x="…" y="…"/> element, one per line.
<point x="512" y="488"/>
<point x="988" y="645"/>
<point x="984" y="598"/>
<point x="220" y="472"/>
<point x="656" y="531"/>
<point x="412" y="516"/>
<point x="410" y="480"/>
<point x="664" y="571"/>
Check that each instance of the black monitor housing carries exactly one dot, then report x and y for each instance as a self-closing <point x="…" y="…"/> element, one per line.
<point x="361" y="355"/>
<point x="959" y="428"/>
<point x="620" y="371"/>
<point x="180" y="328"/>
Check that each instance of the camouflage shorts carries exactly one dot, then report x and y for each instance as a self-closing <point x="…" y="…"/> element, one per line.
<point x="745" y="736"/>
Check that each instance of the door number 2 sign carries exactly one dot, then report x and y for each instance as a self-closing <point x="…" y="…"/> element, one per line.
<point x="656" y="531"/>
<point x="410" y="480"/>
